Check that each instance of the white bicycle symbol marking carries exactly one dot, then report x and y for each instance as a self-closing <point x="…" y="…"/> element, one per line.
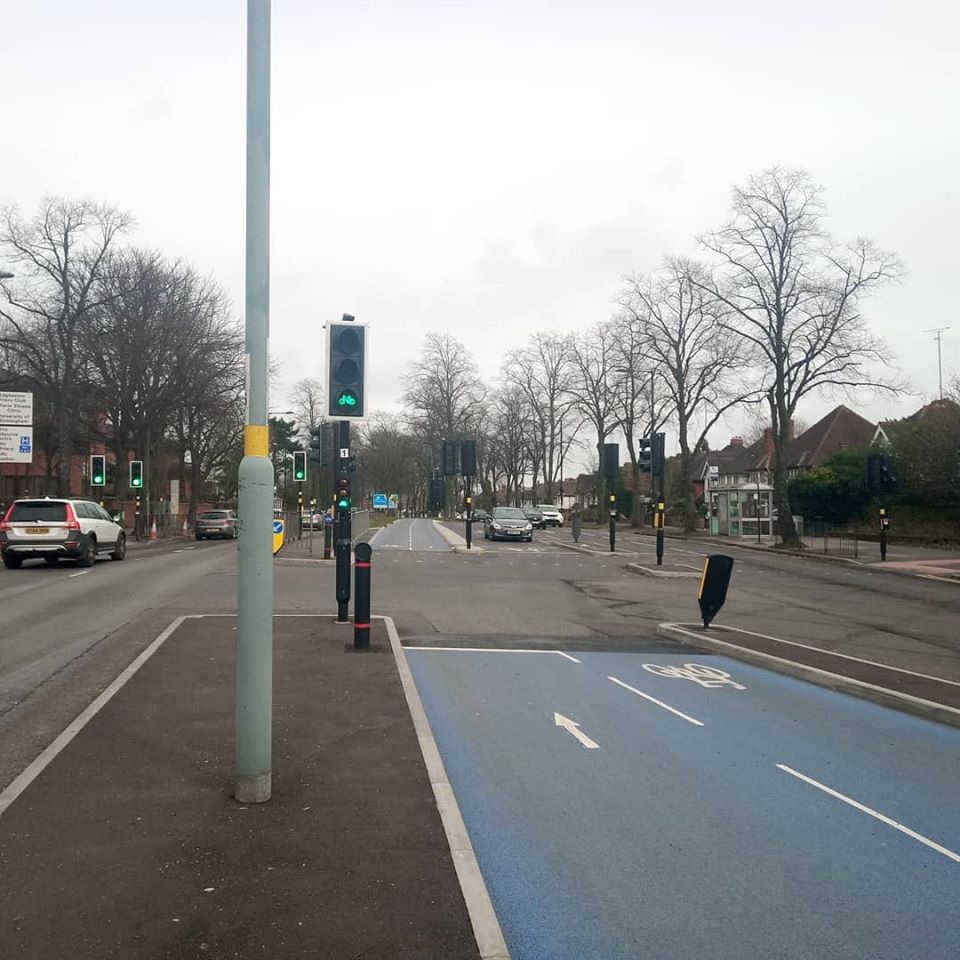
<point x="711" y="677"/>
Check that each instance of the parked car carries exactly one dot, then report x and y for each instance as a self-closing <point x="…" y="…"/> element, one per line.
<point x="311" y="521"/>
<point x="507" y="523"/>
<point x="535" y="517"/>
<point x="552" y="517"/>
<point x="53" y="529"/>
<point x="217" y="523"/>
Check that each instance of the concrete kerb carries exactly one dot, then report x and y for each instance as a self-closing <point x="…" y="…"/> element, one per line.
<point x="458" y="543"/>
<point x="823" y="678"/>
<point x="655" y="572"/>
<point x="486" y="927"/>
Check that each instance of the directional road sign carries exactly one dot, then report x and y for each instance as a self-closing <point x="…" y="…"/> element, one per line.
<point x="278" y="528"/>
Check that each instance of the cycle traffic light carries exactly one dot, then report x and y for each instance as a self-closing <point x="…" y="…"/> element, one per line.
<point x="346" y="369"/>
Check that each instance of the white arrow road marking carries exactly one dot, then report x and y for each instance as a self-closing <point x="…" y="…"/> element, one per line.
<point x="863" y="808"/>
<point x="659" y="703"/>
<point x="561" y="721"/>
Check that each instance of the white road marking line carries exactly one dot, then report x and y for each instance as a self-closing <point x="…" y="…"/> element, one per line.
<point x="930" y="576"/>
<point x="494" y="649"/>
<point x="42" y="761"/>
<point x="659" y="703"/>
<point x="807" y="646"/>
<point x="572" y="727"/>
<point x="567" y="655"/>
<point x="80" y="574"/>
<point x="873" y="813"/>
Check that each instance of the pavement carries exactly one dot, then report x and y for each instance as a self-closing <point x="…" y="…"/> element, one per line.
<point x="131" y="840"/>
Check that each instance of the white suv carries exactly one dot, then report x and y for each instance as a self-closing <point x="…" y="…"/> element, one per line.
<point x="552" y="517"/>
<point x="54" y="528"/>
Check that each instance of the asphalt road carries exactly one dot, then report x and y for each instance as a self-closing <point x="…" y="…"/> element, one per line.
<point x="682" y="826"/>
<point x="68" y="631"/>
<point x="412" y="535"/>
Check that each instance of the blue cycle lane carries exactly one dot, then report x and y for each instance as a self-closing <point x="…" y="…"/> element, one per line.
<point x="724" y="811"/>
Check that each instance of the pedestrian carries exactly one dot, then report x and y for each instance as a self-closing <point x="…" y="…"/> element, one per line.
<point x="576" y="520"/>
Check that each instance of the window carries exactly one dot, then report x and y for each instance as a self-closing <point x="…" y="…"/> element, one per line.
<point x="32" y="511"/>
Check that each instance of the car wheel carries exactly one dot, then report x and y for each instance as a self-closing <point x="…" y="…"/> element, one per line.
<point x="12" y="562"/>
<point x="120" y="550"/>
<point x="89" y="554"/>
<point x="530" y="539"/>
<point x="51" y="561"/>
<point x="198" y="537"/>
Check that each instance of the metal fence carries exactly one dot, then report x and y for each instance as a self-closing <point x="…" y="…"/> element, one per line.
<point x="832" y="539"/>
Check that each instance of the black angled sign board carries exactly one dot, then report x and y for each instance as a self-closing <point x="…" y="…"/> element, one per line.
<point x="713" y="585"/>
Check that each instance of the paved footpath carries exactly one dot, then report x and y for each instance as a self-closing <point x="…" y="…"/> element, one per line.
<point x="129" y="844"/>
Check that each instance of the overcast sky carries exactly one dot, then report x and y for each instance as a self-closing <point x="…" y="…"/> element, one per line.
<point x="493" y="168"/>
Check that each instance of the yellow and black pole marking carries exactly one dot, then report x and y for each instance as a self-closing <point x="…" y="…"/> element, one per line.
<point x="713" y="585"/>
<point x="613" y="522"/>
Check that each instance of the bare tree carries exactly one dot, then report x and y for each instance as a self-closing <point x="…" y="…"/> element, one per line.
<point x="542" y="371"/>
<point x="794" y="297"/>
<point x="444" y="394"/>
<point x="701" y="362"/>
<point x="592" y="358"/>
<point x="307" y="401"/>
<point x="60" y="255"/>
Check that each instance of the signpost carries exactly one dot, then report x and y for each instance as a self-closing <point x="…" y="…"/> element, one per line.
<point x="381" y="501"/>
<point x="16" y="427"/>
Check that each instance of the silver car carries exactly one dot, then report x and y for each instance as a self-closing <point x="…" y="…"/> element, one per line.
<point x="54" y="529"/>
<point x="507" y="523"/>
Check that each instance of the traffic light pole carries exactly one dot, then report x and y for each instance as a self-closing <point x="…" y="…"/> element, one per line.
<point x="344" y="531"/>
<point x="468" y="499"/>
<point x="254" y="710"/>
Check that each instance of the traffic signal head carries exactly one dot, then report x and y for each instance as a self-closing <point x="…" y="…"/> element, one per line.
<point x="657" y="454"/>
<point x="346" y="369"/>
<point x="343" y="493"/>
<point x="450" y="458"/>
<point x="611" y="461"/>
<point x="98" y="470"/>
<point x="136" y="474"/>
<point x="468" y="458"/>
<point x="300" y="465"/>
<point x="643" y="455"/>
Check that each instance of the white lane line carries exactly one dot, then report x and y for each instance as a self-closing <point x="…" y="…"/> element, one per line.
<point x="493" y="649"/>
<point x="659" y="703"/>
<point x="873" y="813"/>
<point x="410" y="535"/>
<point x="27" y="776"/>
<point x="573" y="727"/>
<point x="806" y="646"/>
<point x="80" y="574"/>
<point x="930" y="576"/>
<point x="567" y="655"/>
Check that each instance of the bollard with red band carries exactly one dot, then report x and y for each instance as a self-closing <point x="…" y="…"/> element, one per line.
<point x="361" y="596"/>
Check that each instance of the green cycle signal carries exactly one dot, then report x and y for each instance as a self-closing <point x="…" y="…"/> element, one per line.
<point x="346" y="398"/>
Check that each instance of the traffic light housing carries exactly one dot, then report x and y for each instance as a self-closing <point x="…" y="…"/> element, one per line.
<point x="343" y="493"/>
<point x="468" y="458"/>
<point x="643" y="455"/>
<point x="136" y="474"/>
<point x="299" y="465"/>
<point x="346" y="369"/>
<point x="450" y="458"/>
<point x="435" y="494"/>
<point x="657" y="454"/>
<point x="879" y="475"/>
<point x="611" y="461"/>
<point x="98" y="470"/>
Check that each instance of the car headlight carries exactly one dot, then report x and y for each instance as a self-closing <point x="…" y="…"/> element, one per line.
<point x="529" y="526"/>
<point x="498" y="526"/>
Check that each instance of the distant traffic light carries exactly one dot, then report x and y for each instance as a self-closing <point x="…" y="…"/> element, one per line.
<point x="346" y="367"/>
<point x="299" y="465"/>
<point x="450" y="458"/>
<point x="611" y="461"/>
<point x="643" y="455"/>
<point x="136" y="474"/>
<point x="879" y="475"/>
<point x="468" y="458"/>
<point x="658" y="454"/>
<point x="343" y="493"/>
<point x="98" y="470"/>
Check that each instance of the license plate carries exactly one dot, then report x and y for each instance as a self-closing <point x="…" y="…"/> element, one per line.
<point x="34" y="531"/>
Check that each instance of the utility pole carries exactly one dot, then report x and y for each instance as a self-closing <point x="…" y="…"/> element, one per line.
<point x="938" y="336"/>
<point x="255" y="581"/>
